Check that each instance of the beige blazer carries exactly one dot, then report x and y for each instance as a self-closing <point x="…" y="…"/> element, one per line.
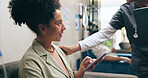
<point x="38" y="63"/>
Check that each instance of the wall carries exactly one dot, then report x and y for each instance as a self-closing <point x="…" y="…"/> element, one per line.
<point x="108" y="9"/>
<point x="14" y="40"/>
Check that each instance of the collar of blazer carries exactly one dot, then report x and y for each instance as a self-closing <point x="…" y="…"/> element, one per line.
<point x="49" y="59"/>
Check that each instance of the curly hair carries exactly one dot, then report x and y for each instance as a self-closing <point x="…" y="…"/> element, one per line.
<point x="33" y="12"/>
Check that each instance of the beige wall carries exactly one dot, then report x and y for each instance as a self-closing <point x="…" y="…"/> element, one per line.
<point x="70" y="35"/>
<point x="15" y="40"/>
<point x="108" y="9"/>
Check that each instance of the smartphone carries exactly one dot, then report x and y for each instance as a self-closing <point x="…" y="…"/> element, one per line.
<point x="96" y="61"/>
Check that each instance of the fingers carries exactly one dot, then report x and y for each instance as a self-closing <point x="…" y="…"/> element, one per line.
<point x="127" y="60"/>
<point x="93" y="67"/>
<point x="62" y="47"/>
<point x="66" y="49"/>
<point x="87" y="60"/>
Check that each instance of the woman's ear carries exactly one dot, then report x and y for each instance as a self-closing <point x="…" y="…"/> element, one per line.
<point x="42" y="28"/>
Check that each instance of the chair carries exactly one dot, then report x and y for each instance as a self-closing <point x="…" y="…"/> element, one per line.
<point x="11" y="68"/>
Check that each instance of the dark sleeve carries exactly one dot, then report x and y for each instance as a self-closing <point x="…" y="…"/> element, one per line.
<point x="117" y="20"/>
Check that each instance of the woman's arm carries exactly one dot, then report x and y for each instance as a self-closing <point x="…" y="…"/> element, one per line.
<point x="29" y="69"/>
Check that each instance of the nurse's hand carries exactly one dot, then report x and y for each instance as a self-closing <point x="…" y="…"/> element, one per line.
<point x="66" y="49"/>
<point x="70" y="49"/>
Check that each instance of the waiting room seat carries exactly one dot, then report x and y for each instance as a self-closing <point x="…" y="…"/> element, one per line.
<point x="106" y="75"/>
<point x="11" y="68"/>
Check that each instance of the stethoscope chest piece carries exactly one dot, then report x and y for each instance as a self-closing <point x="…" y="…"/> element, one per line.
<point x="135" y="34"/>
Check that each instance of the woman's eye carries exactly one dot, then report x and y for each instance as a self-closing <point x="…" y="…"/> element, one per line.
<point x="59" y="24"/>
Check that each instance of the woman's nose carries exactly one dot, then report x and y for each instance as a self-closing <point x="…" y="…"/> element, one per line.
<point x="64" y="27"/>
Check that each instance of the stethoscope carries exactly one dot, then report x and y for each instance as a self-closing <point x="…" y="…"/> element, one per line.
<point x="134" y="23"/>
<point x="135" y="35"/>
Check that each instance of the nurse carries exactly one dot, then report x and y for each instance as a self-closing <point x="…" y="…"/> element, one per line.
<point x="123" y="18"/>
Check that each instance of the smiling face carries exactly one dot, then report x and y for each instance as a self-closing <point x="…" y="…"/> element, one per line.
<point x="56" y="28"/>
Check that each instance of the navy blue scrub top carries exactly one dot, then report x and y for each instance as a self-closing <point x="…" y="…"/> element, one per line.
<point x="123" y="18"/>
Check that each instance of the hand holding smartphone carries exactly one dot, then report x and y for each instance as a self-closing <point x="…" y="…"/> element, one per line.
<point x="96" y="61"/>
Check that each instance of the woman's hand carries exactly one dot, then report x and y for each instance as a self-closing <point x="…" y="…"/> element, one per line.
<point x="87" y="61"/>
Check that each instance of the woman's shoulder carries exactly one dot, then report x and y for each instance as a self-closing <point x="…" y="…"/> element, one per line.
<point x="59" y="50"/>
<point x="30" y="54"/>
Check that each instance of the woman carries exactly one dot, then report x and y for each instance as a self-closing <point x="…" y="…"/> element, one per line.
<point x="44" y="59"/>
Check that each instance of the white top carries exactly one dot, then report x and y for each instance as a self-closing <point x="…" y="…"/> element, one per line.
<point x="100" y="49"/>
<point x="97" y="38"/>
